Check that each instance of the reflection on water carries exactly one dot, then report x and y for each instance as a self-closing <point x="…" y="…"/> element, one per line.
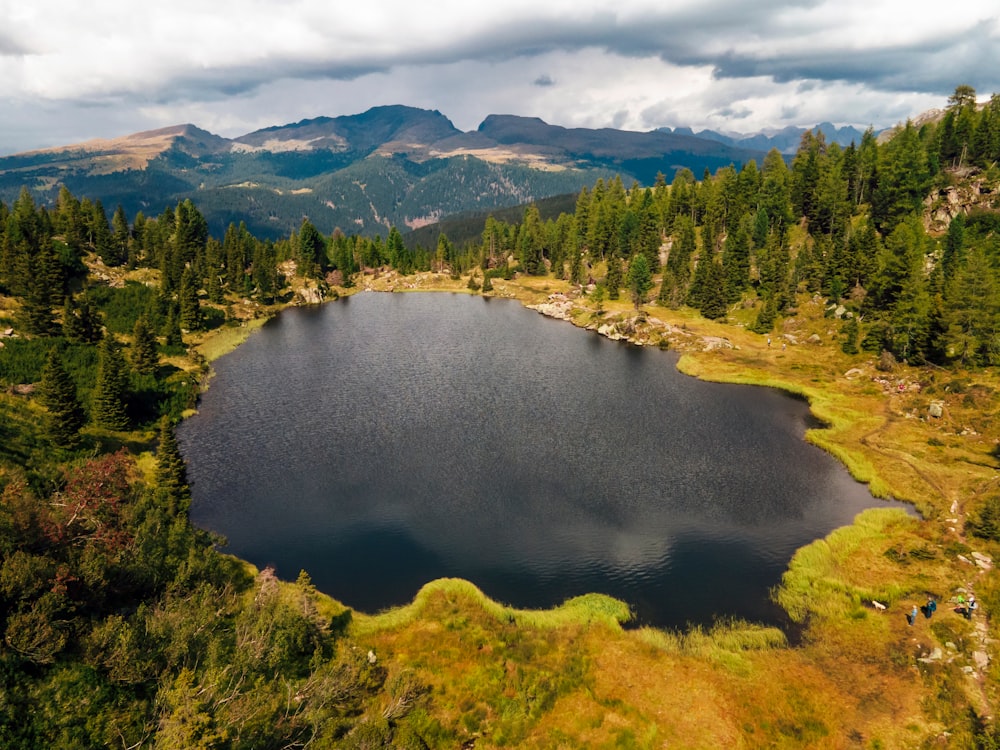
<point x="386" y="440"/>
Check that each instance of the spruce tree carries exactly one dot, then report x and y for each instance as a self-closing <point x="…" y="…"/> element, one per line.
<point x="57" y="393"/>
<point x="171" y="473"/>
<point x="713" y="296"/>
<point x="190" y="306"/>
<point x="613" y="282"/>
<point x="145" y="358"/>
<point x="640" y="280"/>
<point x="81" y="324"/>
<point x="172" y="338"/>
<point x="111" y="391"/>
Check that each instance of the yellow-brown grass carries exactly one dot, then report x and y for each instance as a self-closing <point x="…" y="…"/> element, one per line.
<point x="573" y="677"/>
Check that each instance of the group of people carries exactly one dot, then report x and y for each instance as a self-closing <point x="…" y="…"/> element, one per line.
<point x="966" y="608"/>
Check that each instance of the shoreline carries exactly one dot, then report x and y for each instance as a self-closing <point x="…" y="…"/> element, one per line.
<point x="637" y="328"/>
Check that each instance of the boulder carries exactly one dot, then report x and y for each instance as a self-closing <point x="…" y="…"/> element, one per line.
<point x="936" y="409"/>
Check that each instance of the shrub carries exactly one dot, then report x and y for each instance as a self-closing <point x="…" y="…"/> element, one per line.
<point x="984" y="522"/>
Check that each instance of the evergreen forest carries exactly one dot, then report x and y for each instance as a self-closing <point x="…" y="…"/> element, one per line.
<point x="123" y="625"/>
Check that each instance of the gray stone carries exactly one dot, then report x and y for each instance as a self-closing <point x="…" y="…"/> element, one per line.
<point x="981" y="659"/>
<point x="936" y="409"/>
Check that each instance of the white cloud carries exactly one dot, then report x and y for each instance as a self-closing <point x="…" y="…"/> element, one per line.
<point x="233" y="66"/>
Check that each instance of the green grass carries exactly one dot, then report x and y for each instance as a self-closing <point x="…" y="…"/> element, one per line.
<point x="581" y="610"/>
<point x="833" y="576"/>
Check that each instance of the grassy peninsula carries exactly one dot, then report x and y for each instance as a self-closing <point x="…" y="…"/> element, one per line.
<point x="859" y="676"/>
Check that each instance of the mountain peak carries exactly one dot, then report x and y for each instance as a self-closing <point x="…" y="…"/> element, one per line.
<point x="363" y="132"/>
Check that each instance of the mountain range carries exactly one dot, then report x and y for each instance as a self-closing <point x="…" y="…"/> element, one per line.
<point x="389" y="166"/>
<point x="786" y="140"/>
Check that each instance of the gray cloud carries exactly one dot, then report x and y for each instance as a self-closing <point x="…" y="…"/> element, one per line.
<point x="9" y="47"/>
<point x="642" y="64"/>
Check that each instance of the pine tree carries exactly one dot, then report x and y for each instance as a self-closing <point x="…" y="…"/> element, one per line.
<point x="172" y="338"/>
<point x="190" y="306"/>
<point x="640" y="280"/>
<point x="57" y="393"/>
<point x="972" y="314"/>
<point x="613" y="282"/>
<point x="736" y="260"/>
<point x="144" y="355"/>
<point x="171" y="473"/>
<point x="81" y="324"/>
<point x="111" y="391"/>
<point x="713" y="296"/>
<point x="120" y="237"/>
<point x="312" y="251"/>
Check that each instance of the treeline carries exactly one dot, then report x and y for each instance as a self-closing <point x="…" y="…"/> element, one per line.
<point x="846" y="223"/>
<point x="122" y="625"/>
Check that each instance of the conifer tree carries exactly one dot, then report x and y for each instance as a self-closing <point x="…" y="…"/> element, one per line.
<point x="81" y="324"/>
<point x="713" y="295"/>
<point x="172" y="338"/>
<point x="57" y="393"/>
<point x="111" y="391"/>
<point x="640" y="280"/>
<point x="187" y="297"/>
<point x="171" y="473"/>
<point x="120" y="237"/>
<point x="851" y="331"/>
<point x="312" y="251"/>
<point x="613" y="282"/>
<point x="144" y="355"/>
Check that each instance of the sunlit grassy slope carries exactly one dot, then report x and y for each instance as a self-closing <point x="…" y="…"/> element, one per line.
<point x="474" y="673"/>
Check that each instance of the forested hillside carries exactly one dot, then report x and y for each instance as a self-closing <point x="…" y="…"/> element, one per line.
<point x="124" y="626"/>
<point x="364" y="173"/>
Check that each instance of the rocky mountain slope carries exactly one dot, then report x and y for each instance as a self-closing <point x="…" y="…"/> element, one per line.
<point x="388" y="166"/>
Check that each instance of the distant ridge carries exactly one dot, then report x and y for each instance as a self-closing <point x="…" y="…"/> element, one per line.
<point x="364" y="173"/>
<point x="785" y="140"/>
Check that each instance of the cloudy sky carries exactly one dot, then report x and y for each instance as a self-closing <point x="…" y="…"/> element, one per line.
<point x="70" y="71"/>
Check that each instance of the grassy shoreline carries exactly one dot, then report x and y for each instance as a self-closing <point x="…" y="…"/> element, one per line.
<point x="737" y="684"/>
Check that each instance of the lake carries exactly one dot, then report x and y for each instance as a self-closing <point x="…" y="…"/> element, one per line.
<point x="386" y="440"/>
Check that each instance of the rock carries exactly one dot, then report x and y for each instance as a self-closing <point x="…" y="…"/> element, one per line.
<point x="936" y="654"/>
<point x="839" y="312"/>
<point x="716" y="342"/>
<point x="854" y="372"/>
<point x="963" y="558"/>
<point x="310" y="295"/>
<point x="814" y="339"/>
<point x="980" y="557"/>
<point x="951" y="646"/>
<point x="609" y="330"/>
<point x="790" y="339"/>
<point x="555" y="308"/>
<point x="968" y="670"/>
<point x="936" y="409"/>
<point x="981" y="659"/>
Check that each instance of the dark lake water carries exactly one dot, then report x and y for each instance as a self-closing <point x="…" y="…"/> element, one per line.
<point x="389" y="439"/>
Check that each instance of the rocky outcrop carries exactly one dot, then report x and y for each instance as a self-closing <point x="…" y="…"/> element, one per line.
<point x="971" y="190"/>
